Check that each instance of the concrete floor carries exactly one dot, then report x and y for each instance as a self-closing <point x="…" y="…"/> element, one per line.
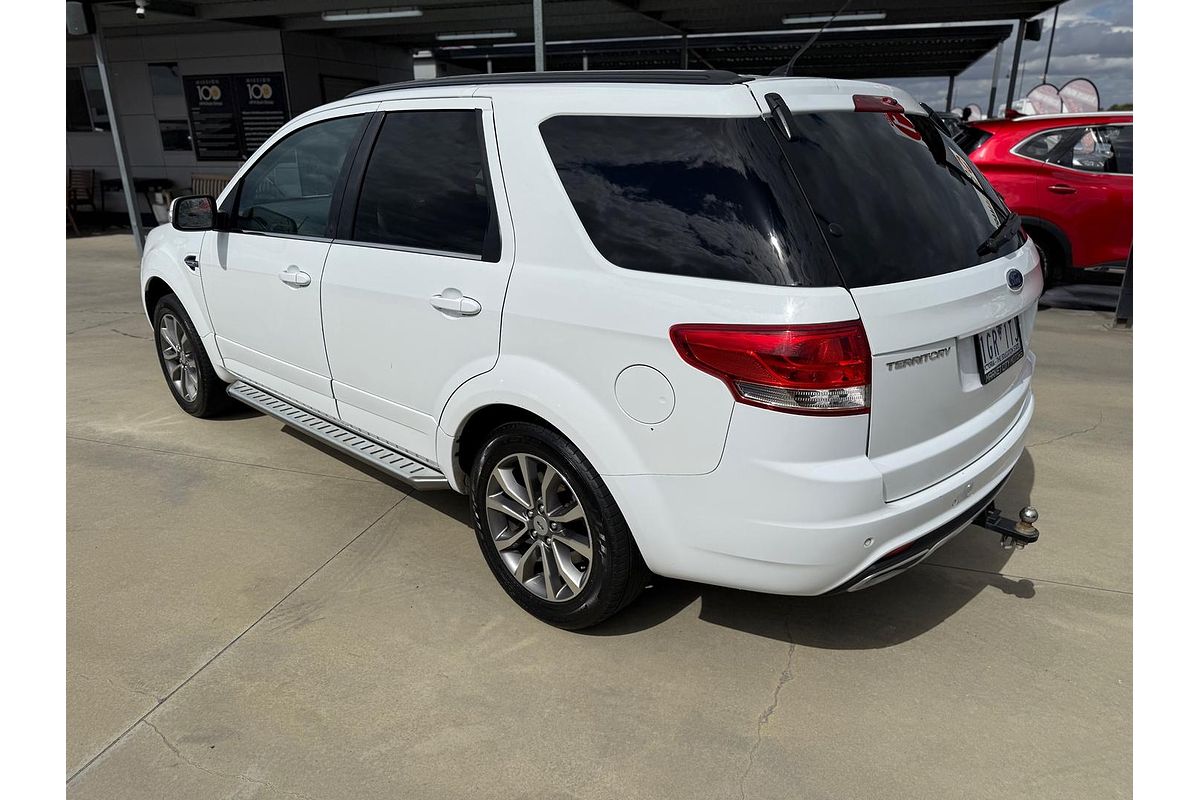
<point x="250" y="616"/>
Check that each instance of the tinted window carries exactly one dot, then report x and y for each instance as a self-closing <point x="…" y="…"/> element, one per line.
<point x="289" y="190"/>
<point x="165" y="80"/>
<point x="426" y="185"/>
<point x="78" y="116"/>
<point x="1121" y="139"/>
<point x="1106" y="148"/>
<point x="969" y="138"/>
<point x="706" y="198"/>
<point x="1042" y="145"/>
<point x="899" y="201"/>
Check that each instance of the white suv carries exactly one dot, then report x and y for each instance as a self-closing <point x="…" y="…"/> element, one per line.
<point x="767" y="333"/>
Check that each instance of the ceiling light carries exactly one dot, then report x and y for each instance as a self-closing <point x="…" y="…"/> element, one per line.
<point x="849" y="16"/>
<point x="359" y="14"/>
<point x="453" y="37"/>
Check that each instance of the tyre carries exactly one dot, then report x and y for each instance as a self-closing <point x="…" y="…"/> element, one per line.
<point x="550" y="530"/>
<point x="185" y="365"/>
<point x="1051" y="260"/>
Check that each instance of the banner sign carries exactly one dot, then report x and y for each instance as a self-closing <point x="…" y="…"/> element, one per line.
<point x="232" y="115"/>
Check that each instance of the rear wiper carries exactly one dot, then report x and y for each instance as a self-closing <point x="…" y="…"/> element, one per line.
<point x="1005" y="230"/>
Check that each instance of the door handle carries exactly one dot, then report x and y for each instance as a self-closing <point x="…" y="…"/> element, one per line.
<point x="1061" y="188"/>
<point x="292" y="276"/>
<point x="452" y="301"/>
<point x="192" y="263"/>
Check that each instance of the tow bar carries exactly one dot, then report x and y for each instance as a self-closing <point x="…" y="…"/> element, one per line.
<point x="1012" y="534"/>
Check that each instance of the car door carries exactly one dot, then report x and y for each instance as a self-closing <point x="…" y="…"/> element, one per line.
<point x="261" y="270"/>
<point x="414" y="283"/>
<point x="1091" y="176"/>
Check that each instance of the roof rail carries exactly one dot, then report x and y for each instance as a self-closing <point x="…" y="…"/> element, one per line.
<point x="709" y="77"/>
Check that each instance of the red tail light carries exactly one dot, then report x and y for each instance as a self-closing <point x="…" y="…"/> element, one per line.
<point x="802" y="369"/>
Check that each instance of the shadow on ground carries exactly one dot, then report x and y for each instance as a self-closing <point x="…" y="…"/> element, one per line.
<point x="896" y="611"/>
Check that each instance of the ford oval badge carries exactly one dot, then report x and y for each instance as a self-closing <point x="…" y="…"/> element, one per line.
<point x="1015" y="280"/>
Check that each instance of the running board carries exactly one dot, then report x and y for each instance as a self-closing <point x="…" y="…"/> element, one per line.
<point x="379" y="456"/>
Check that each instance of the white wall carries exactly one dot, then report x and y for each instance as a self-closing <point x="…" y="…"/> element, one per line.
<point x="301" y="57"/>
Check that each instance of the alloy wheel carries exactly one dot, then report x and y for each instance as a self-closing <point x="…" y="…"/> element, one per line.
<point x="539" y="527"/>
<point x="179" y="357"/>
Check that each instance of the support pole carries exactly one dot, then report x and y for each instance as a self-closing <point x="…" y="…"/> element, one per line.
<point x="539" y="38"/>
<point x="991" y="112"/>
<point x="950" y="94"/>
<point x="1050" y="46"/>
<point x="114" y="122"/>
<point x="585" y="62"/>
<point x="683" y="52"/>
<point x="1016" y="64"/>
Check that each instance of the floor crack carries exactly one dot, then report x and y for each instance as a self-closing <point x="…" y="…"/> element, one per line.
<point x="765" y="716"/>
<point x="1068" y="435"/>
<point x="236" y="777"/>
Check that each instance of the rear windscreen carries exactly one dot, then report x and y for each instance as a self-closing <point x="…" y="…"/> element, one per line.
<point x="897" y="199"/>
<point x="701" y="197"/>
<point x="969" y="139"/>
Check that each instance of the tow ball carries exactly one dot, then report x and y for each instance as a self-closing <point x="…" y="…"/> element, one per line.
<point x="1012" y="533"/>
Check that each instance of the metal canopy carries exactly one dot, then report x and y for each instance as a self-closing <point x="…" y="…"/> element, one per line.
<point x="903" y="53"/>
<point x="564" y="19"/>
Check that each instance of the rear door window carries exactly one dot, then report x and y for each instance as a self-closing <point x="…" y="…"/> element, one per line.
<point x="426" y="185"/>
<point x="898" y="200"/>
<point x="690" y="196"/>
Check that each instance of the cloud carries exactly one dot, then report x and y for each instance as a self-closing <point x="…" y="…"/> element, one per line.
<point x="1094" y="39"/>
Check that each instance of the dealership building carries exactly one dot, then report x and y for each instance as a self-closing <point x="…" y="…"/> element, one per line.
<point x="197" y="85"/>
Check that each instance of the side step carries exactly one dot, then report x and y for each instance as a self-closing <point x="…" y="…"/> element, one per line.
<point x="379" y="456"/>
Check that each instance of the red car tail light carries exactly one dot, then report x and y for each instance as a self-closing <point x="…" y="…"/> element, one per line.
<point x="802" y="369"/>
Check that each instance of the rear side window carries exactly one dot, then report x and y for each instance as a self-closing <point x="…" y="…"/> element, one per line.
<point x="898" y="200"/>
<point x="1041" y="146"/>
<point x="698" y="197"/>
<point x="290" y="188"/>
<point x="1107" y="148"/>
<point x="426" y="184"/>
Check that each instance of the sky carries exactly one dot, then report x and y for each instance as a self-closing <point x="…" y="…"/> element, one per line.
<point x="1094" y="39"/>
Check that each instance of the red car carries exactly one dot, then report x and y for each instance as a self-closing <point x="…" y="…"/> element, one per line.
<point x="1070" y="177"/>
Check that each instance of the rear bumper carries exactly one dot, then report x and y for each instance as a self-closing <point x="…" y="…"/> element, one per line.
<point x="765" y="523"/>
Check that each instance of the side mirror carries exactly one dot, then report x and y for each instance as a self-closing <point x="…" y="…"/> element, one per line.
<point x="194" y="213"/>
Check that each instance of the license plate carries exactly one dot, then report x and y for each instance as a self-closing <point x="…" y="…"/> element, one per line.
<point x="998" y="349"/>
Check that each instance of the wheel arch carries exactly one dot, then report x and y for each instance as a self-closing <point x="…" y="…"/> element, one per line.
<point x="491" y="399"/>
<point x="1047" y="231"/>
<point x="159" y="278"/>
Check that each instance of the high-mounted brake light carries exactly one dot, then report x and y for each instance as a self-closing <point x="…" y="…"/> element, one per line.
<point x="876" y="102"/>
<point x="802" y="369"/>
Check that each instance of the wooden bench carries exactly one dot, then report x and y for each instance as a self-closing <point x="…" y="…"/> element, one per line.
<point x="211" y="185"/>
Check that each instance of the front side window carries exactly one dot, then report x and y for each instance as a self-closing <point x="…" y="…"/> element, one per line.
<point x="1103" y="148"/>
<point x="426" y="185"/>
<point x="689" y="196"/>
<point x="289" y="190"/>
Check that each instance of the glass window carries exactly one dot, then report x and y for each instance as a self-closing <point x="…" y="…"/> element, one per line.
<point x="426" y="186"/>
<point x="289" y="189"/>
<point x="1106" y="148"/>
<point x="699" y="197"/>
<point x="898" y="200"/>
<point x="971" y="138"/>
<point x="175" y="134"/>
<point x="78" y="116"/>
<point x="1120" y="137"/>
<point x="95" y="98"/>
<point x="165" y="80"/>
<point x="1042" y="145"/>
